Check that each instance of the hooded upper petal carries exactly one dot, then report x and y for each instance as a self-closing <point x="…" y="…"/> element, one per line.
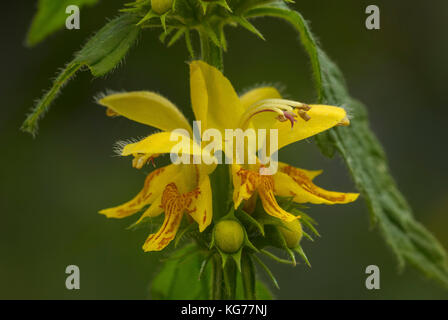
<point x="263" y="120"/>
<point x="258" y="94"/>
<point x="213" y="98"/>
<point x="148" y="108"/>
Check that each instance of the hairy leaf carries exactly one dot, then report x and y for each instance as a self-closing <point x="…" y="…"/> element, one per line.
<point x="101" y="54"/>
<point x="51" y="17"/>
<point x="366" y="160"/>
<point x="179" y="277"/>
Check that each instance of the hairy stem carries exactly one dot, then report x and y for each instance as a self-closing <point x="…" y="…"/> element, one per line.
<point x="230" y="280"/>
<point x="248" y="275"/>
<point x="224" y="279"/>
<point x="217" y="278"/>
<point x="210" y="53"/>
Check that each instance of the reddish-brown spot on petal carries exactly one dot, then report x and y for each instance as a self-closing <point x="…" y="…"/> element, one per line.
<point x="302" y="179"/>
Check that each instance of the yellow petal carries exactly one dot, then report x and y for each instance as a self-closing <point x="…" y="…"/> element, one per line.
<point x="174" y="205"/>
<point x="245" y="183"/>
<point x="295" y="182"/>
<point x="270" y="205"/>
<point x="153" y="187"/>
<point x="264" y="120"/>
<point x="158" y="143"/>
<point x="182" y="176"/>
<point x="213" y="98"/>
<point x="255" y="95"/>
<point x="147" y="108"/>
<point x="200" y="208"/>
<point x="321" y="118"/>
<point x="311" y="174"/>
<point x="154" y="210"/>
<point x="199" y="98"/>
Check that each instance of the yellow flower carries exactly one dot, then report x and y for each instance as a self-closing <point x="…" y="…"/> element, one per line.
<point x="216" y="103"/>
<point x="173" y="189"/>
<point x="176" y="189"/>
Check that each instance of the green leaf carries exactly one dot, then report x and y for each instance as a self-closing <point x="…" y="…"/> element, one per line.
<point x="247" y="25"/>
<point x="176" y="37"/>
<point x="248" y="221"/>
<point x="187" y="9"/>
<point x="267" y="270"/>
<point x="51" y="17"/>
<point x="179" y="277"/>
<point x="366" y="160"/>
<point x="300" y="251"/>
<point x="189" y="44"/>
<point x="102" y="53"/>
<point x="108" y="47"/>
<point x="261" y="291"/>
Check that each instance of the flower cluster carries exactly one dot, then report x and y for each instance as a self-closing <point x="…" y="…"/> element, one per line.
<point x="267" y="201"/>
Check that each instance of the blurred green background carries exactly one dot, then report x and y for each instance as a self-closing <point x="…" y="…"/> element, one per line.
<point x="51" y="187"/>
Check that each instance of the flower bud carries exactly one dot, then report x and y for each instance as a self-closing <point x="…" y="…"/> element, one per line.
<point x="229" y="236"/>
<point x="292" y="232"/>
<point x="161" y="6"/>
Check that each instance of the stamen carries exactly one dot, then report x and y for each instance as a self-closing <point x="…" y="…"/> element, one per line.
<point x="111" y="113"/>
<point x="305" y="116"/>
<point x="152" y="162"/>
<point x="344" y="122"/>
<point x="287" y="115"/>
<point x="284" y="102"/>
<point x="141" y="159"/>
<point x="284" y="108"/>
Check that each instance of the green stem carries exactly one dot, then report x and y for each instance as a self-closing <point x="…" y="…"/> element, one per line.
<point x="217" y="278"/>
<point x="224" y="280"/>
<point x="248" y="276"/>
<point x="274" y="257"/>
<point x="210" y="53"/>
<point x="230" y="280"/>
<point x="220" y="181"/>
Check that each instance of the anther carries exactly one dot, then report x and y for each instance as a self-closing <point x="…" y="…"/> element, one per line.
<point x="141" y="159"/>
<point x="111" y="113"/>
<point x="344" y="122"/>
<point x="304" y="115"/>
<point x="287" y="115"/>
